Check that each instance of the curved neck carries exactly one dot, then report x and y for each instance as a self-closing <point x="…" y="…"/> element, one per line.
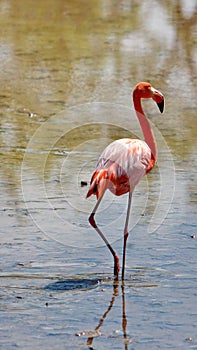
<point x="145" y="126"/>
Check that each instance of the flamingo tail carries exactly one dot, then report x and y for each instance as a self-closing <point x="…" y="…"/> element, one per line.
<point x="98" y="183"/>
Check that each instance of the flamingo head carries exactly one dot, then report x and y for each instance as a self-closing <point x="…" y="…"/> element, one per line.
<point x="146" y="90"/>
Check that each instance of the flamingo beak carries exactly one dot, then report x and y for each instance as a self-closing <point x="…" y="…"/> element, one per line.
<point x="161" y="105"/>
<point x="158" y="98"/>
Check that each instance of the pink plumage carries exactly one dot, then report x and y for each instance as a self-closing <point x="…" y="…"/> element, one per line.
<point x="123" y="163"/>
<point x="120" y="167"/>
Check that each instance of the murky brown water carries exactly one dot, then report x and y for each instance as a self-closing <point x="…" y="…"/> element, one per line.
<point x="67" y="70"/>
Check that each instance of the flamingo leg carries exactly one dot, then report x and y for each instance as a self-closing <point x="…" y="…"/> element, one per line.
<point x="126" y="234"/>
<point x="94" y="225"/>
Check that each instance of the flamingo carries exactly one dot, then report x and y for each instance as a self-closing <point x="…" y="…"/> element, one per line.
<point x="123" y="163"/>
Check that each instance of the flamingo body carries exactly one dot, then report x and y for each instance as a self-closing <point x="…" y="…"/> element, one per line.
<point x="123" y="163"/>
<point x="120" y="167"/>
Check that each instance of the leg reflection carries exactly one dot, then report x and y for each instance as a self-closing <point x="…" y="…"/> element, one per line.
<point x="124" y="318"/>
<point x="115" y="293"/>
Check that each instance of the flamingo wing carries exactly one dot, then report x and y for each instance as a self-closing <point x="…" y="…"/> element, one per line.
<point x="120" y="167"/>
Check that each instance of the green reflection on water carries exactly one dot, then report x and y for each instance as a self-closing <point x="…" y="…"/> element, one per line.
<point x="57" y="54"/>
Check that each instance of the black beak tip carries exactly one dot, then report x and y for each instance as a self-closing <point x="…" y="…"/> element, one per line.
<point x="161" y="106"/>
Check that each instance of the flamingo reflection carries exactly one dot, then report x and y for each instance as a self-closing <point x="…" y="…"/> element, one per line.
<point x="103" y="317"/>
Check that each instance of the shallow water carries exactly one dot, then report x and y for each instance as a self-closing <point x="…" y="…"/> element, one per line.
<point x="67" y="71"/>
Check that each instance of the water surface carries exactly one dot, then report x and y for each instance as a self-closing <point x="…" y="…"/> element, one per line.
<point x="67" y="71"/>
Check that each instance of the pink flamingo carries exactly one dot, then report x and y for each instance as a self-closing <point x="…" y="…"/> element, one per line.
<point x="123" y="163"/>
